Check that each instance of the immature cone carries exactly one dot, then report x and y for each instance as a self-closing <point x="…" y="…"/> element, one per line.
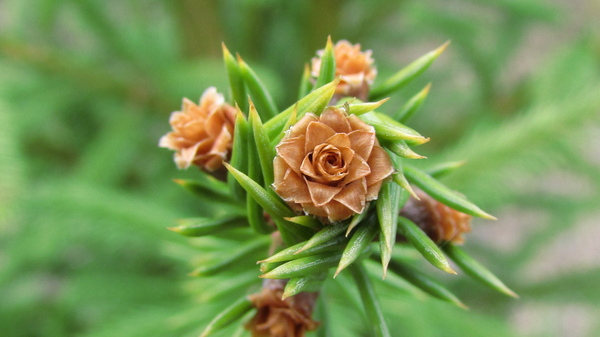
<point x="330" y="166"/>
<point x="202" y="134"/>
<point x="440" y="222"/>
<point x="354" y="67"/>
<point x="281" y="318"/>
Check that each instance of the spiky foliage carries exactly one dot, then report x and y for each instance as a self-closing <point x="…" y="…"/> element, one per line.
<point x="311" y="247"/>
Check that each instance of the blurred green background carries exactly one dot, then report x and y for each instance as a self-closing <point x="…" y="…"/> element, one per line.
<point x="86" y="88"/>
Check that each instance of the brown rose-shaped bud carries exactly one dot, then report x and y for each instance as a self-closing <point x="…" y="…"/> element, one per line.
<point x="330" y="166"/>
<point x="355" y="69"/>
<point x="202" y="134"/>
<point x="281" y="318"/>
<point x="440" y="222"/>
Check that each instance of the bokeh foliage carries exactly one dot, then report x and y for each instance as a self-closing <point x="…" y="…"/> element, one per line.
<point x="86" y="88"/>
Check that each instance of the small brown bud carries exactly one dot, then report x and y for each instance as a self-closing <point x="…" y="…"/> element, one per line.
<point x="354" y="67"/>
<point x="291" y="317"/>
<point x="440" y="222"/>
<point x="202" y="134"/>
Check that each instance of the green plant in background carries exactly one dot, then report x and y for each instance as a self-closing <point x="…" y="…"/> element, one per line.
<point x="84" y="94"/>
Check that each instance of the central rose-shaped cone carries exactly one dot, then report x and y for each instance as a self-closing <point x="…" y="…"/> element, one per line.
<point x="330" y="166"/>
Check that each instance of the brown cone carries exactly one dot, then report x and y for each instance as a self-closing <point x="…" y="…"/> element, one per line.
<point x="440" y="222"/>
<point x="281" y="318"/>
